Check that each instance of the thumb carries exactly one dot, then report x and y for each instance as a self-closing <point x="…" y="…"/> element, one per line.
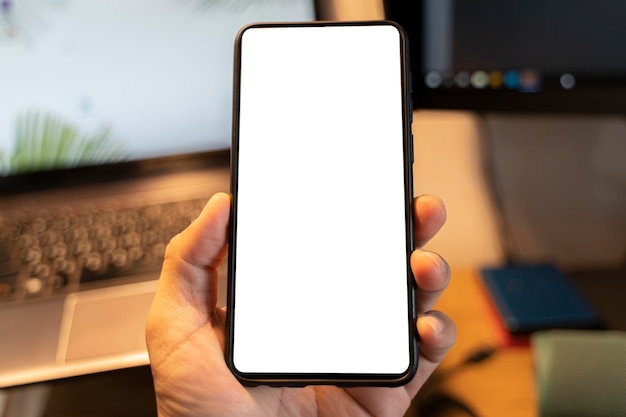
<point x="189" y="276"/>
<point x="186" y="295"/>
<point x="203" y="244"/>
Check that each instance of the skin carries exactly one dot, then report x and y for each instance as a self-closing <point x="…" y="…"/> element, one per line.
<point x="185" y="332"/>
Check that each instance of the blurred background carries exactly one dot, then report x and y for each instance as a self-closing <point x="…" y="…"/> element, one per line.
<point x="531" y="178"/>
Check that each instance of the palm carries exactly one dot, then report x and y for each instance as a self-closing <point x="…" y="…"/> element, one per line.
<point x="209" y="385"/>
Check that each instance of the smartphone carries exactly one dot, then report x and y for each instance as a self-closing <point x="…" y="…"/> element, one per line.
<point x="320" y="289"/>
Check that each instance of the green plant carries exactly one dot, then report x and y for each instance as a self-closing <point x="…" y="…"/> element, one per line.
<point x="44" y="141"/>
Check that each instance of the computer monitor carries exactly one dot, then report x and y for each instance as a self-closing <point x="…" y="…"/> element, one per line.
<point x="92" y="83"/>
<point x="519" y="56"/>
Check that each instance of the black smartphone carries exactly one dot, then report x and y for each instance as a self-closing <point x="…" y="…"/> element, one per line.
<point x="320" y="289"/>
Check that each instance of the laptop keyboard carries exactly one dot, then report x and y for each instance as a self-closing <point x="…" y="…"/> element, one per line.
<point x="48" y="253"/>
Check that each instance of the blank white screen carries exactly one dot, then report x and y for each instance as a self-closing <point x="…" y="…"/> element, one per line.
<point x="321" y="276"/>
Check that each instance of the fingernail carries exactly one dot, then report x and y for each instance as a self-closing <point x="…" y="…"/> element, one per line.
<point x="440" y="264"/>
<point x="433" y="322"/>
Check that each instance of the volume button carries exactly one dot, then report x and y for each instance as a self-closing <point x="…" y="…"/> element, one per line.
<point x="414" y="302"/>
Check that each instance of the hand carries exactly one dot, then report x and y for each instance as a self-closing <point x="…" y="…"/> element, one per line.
<point x="185" y="332"/>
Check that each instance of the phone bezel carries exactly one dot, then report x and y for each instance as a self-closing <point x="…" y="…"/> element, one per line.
<point x="338" y="379"/>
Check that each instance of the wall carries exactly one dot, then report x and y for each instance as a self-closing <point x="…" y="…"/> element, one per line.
<point x="448" y="163"/>
<point x="563" y="185"/>
<point x="560" y="186"/>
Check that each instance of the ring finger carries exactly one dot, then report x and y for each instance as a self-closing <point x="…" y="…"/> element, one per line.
<point x="432" y="274"/>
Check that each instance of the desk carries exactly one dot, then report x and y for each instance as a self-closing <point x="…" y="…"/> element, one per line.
<point x="503" y="385"/>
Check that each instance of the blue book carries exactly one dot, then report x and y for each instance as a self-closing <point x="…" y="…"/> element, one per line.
<point x="537" y="297"/>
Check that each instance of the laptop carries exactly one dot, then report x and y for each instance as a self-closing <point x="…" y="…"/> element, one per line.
<point x="115" y="123"/>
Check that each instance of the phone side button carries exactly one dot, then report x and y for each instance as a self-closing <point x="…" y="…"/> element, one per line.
<point x="414" y="302"/>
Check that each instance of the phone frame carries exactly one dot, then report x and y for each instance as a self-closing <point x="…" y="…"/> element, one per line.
<point x="337" y="379"/>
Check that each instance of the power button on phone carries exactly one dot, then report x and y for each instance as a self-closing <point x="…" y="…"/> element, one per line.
<point x="414" y="302"/>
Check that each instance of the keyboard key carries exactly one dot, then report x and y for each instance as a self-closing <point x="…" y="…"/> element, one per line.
<point x="80" y="246"/>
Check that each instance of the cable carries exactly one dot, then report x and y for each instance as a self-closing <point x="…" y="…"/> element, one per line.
<point x="440" y="404"/>
<point x="474" y="357"/>
<point x="433" y="401"/>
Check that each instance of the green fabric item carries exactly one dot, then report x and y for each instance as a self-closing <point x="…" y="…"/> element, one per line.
<point x="580" y="373"/>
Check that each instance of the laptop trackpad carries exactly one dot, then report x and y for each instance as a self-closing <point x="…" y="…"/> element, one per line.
<point x="105" y="322"/>
<point x="29" y="334"/>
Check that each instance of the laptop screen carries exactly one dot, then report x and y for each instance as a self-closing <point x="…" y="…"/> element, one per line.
<point x="96" y="82"/>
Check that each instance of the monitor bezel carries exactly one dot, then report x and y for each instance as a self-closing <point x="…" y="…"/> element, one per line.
<point x="601" y="94"/>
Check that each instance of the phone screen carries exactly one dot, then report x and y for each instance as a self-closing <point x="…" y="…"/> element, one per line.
<point x="319" y="279"/>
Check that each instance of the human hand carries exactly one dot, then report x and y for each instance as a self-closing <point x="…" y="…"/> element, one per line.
<point x="185" y="332"/>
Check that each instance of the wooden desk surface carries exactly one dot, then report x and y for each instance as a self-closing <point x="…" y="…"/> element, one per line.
<point x="502" y="385"/>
